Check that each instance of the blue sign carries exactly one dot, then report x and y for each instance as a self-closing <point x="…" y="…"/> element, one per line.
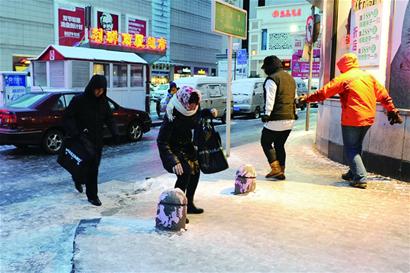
<point x="15" y="80"/>
<point x="242" y="56"/>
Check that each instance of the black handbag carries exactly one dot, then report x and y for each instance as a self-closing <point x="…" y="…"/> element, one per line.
<point x="211" y="156"/>
<point x="75" y="156"/>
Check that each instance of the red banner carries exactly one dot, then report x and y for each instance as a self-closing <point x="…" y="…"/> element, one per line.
<point x="70" y="26"/>
<point x="136" y="26"/>
<point x="107" y="21"/>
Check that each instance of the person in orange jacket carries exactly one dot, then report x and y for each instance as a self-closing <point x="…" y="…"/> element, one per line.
<point x="359" y="91"/>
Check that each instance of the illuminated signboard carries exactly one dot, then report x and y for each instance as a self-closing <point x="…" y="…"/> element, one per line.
<point x="201" y="71"/>
<point x="287" y="13"/>
<point x="127" y="40"/>
<point x="71" y="29"/>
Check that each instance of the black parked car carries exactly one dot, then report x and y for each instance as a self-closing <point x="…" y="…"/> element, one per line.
<point x="36" y="119"/>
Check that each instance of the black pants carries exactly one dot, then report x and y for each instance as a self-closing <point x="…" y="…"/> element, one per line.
<point x="91" y="182"/>
<point x="188" y="182"/>
<point x="277" y="150"/>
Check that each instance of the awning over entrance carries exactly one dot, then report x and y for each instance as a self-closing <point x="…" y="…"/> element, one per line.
<point x="57" y="52"/>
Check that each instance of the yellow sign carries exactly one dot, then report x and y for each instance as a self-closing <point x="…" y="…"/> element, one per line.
<point x="138" y="41"/>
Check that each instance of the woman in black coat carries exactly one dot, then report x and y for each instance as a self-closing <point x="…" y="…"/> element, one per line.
<point x="175" y="144"/>
<point x="84" y="119"/>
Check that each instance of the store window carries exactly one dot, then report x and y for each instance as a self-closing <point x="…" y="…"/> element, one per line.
<point x="57" y="74"/>
<point x="102" y="69"/>
<point x="119" y="75"/>
<point x="136" y="75"/>
<point x="40" y="74"/>
<point x="264" y="42"/>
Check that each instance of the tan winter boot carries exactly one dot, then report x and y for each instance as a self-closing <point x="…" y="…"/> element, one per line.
<point x="275" y="170"/>
<point x="282" y="176"/>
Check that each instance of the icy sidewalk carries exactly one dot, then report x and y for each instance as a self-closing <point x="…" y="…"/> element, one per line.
<point x="312" y="222"/>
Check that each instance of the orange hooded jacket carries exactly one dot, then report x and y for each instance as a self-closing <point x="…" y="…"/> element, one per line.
<point x="359" y="91"/>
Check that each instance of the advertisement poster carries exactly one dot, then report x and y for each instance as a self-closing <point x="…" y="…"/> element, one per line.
<point x="300" y="66"/>
<point x="107" y="21"/>
<point x="137" y="26"/>
<point x="400" y="53"/>
<point x="365" y="31"/>
<point x="70" y="26"/>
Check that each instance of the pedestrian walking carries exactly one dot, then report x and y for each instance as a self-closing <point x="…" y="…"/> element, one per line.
<point x="175" y="141"/>
<point x="171" y="92"/>
<point x="84" y="119"/>
<point x="359" y="91"/>
<point x="280" y="114"/>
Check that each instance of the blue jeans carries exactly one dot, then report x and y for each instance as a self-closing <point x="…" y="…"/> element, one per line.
<point x="353" y="141"/>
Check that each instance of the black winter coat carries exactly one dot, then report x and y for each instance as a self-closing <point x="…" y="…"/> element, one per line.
<point x="86" y="115"/>
<point x="175" y="143"/>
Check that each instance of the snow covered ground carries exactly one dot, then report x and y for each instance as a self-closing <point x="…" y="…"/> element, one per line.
<point x="312" y="222"/>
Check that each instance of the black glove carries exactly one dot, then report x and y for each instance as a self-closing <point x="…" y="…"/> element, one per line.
<point x="301" y="102"/>
<point x="394" y="117"/>
<point x="264" y="118"/>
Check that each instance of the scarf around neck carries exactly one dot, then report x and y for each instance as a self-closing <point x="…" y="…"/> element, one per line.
<point x="174" y="103"/>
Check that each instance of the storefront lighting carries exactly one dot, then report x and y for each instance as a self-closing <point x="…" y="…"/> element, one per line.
<point x="253" y="52"/>
<point x="293" y="28"/>
<point x="137" y="41"/>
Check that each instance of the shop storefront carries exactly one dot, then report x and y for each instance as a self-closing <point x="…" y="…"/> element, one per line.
<point x="160" y="73"/>
<point x="377" y="32"/>
<point x="61" y="68"/>
<point x="182" y="72"/>
<point x="95" y="40"/>
<point x="201" y="71"/>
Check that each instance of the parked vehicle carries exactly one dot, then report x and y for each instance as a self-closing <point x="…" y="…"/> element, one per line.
<point x="160" y="92"/>
<point x="213" y="90"/>
<point x="36" y="119"/>
<point x="302" y="89"/>
<point x="248" y="96"/>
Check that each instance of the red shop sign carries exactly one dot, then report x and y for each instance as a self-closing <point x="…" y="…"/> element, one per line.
<point x="287" y="13"/>
<point x="70" y="26"/>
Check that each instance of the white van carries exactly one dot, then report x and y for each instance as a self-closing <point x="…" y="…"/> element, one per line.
<point x="248" y="96"/>
<point x="213" y="90"/>
<point x="301" y="86"/>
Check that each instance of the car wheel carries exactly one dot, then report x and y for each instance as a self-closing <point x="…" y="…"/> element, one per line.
<point x="134" y="131"/>
<point x="257" y="113"/>
<point x="52" y="141"/>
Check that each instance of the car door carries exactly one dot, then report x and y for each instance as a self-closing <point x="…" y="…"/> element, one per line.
<point x="120" y="118"/>
<point x="56" y="112"/>
<point x="217" y="95"/>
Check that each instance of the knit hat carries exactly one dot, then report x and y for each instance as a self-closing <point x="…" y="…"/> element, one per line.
<point x="184" y="94"/>
<point x="180" y="102"/>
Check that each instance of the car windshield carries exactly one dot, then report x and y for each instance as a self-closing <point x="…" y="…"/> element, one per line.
<point x="241" y="89"/>
<point x="26" y="100"/>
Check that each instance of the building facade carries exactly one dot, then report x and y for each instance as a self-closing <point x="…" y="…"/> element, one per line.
<point x="276" y="29"/>
<point x="193" y="45"/>
<point x="28" y="27"/>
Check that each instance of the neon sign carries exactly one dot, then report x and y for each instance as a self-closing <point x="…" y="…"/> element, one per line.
<point x="287" y="13"/>
<point x="128" y="40"/>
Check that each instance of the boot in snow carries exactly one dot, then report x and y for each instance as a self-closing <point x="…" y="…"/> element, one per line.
<point x="276" y="170"/>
